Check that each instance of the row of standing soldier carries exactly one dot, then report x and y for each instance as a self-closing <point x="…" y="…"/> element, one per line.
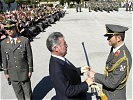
<point x="103" y="6"/>
<point x="129" y="6"/>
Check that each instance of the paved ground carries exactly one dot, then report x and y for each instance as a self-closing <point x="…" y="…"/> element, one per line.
<point x="87" y="27"/>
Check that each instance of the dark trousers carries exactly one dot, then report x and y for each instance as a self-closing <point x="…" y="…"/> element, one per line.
<point x="22" y="90"/>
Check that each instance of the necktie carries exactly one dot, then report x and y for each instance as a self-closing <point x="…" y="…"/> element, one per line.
<point x="67" y="61"/>
<point x="13" y="42"/>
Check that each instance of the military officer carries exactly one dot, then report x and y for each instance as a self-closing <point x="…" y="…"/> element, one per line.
<point x="17" y="61"/>
<point x="78" y="6"/>
<point x="89" y="6"/>
<point x="127" y="6"/>
<point x="118" y="64"/>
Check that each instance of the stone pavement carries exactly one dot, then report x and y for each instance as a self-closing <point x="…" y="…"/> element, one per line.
<point x="85" y="26"/>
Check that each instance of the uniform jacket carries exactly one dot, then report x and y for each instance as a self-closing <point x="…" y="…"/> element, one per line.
<point x="17" y="61"/>
<point x="66" y="80"/>
<point x="111" y="83"/>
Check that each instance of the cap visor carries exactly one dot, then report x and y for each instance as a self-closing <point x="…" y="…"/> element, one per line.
<point x="9" y="28"/>
<point x="106" y="35"/>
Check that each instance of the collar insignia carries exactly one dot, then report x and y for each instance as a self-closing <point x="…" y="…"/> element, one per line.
<point x="18" y="40"/>
<point x="117" y="53"/>
<point x="8" y="41"/>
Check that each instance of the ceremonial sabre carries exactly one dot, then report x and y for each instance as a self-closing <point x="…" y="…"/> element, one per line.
<point x="86" y="54"/>
<point x="94" y="87"/>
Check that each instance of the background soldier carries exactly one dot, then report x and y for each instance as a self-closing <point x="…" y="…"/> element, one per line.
<point x="89" y="6"/>
<point x="17" y="61"/>
<point x="108" y="7"/>
<point x="2" y="37"/>
<point x="78" y="6"/>
<point x="127" y="6"/>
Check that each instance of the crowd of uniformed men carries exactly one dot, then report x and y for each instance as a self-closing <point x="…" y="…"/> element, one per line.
<point x="103" y="6"/>
<point x="31" y="20"/>
<point x="108" y="6"/>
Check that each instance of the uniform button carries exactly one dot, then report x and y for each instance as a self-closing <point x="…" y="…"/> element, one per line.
<point x="14" y="57"/>
<point x="15" y="61"/>
<point x="16" y="66"/>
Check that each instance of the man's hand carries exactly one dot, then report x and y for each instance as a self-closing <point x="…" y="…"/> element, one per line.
<point x="89" y="81"/>
<point x="84" y="69"/>
<point x="91" y="74"/>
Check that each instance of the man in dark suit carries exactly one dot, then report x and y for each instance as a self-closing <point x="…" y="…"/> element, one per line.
<point x="64" y="75"/>
<point x="118" y="64"/>
<point x="17" y="61"/>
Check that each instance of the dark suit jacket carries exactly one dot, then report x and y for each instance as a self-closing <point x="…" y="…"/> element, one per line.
<point x="17" y="61"/>
<point x="66" y="80"/>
